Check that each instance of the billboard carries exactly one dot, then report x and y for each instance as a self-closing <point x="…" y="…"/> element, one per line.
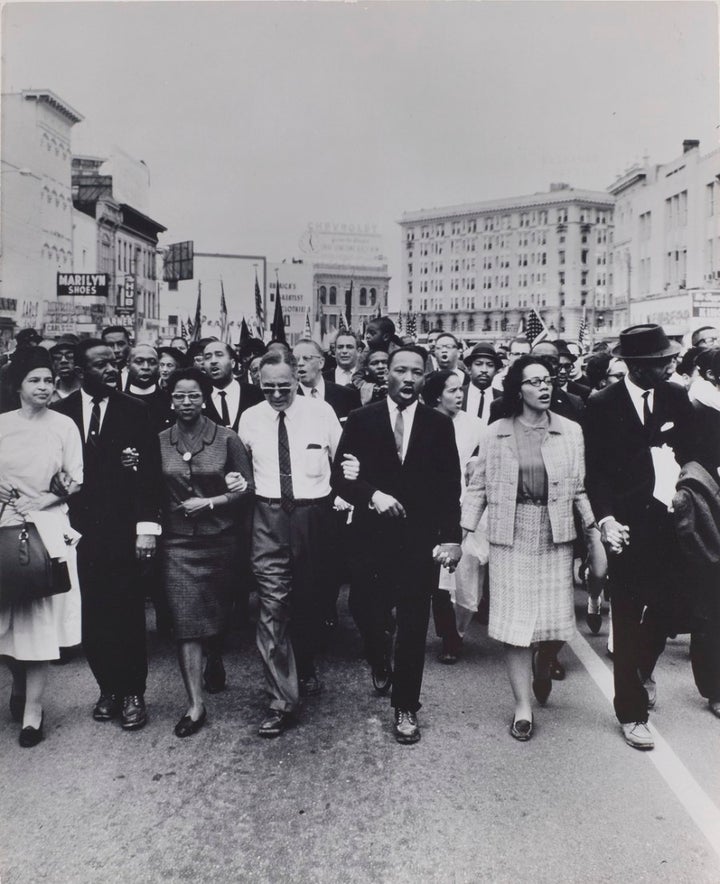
<point x="296" y="296"/>
<point x="76" y="284"/>
<point x="678" y="313"/>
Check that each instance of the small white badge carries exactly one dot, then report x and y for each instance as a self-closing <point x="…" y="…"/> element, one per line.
<point x="187" y="456"/>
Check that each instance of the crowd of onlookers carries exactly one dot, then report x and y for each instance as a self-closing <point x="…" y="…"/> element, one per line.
<point x="446" y="480"/>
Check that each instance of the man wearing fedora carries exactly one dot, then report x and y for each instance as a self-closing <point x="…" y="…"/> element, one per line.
<point x="623" y="423"/>
<point x="483" y="362"/>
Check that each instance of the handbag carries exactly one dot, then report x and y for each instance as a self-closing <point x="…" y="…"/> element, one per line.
<point x="27" y="572"/>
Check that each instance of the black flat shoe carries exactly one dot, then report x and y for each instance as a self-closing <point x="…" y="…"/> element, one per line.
<point x="521" y="730"/>
<point x="17" y="707"/>
<point x="541" y="685"/>
<point x="186" y="727"/>
<point x="214" y="674"/>
<point x="31" y="736"/>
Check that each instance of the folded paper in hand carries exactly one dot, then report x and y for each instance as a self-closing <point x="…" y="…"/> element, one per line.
<point x="667" y="471"/>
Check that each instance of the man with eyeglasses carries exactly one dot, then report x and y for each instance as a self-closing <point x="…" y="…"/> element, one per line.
<point x="63" y="357"/>
<point x="310" y="361"/>
<point x="705" y="338"/>
<point x="447" y="354"/>
<point x="291" y="440"/>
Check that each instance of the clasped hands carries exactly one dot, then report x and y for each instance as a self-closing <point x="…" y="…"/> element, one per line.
<point x="448" y="555"/>
<point x="615" y="535"/>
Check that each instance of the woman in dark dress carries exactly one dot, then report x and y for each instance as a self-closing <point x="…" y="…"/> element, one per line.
<point x="200" y="545"/>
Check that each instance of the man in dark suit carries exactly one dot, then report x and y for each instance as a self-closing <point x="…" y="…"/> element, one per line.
<point x="310" y="360"/>
<point x="625" y="425"/>
<point x="117" y="337"/>
<point x="230" y="398"/>
<point x="142" y="384"/>
<point x="346" y="357"/>
<point x="406" y="518"/>
<point x="483" y="363"/>
<point x="116" y="511"/>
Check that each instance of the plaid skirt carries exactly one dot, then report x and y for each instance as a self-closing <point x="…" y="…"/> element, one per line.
<point x="199" y="575"/>
<point x="531" y="583"/>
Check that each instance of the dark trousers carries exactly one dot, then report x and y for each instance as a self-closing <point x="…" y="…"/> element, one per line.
<point x="113" y="619"/>
<point x="289" y="562"/>
<point x="373" y="595"/>
<point x="445" y="623"/>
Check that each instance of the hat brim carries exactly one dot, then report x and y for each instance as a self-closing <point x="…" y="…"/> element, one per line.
<point x="468" y="360"/>
<point x="672" y="349"/>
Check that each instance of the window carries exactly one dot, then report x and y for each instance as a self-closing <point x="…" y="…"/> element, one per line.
<point x="333" y="295"/>
<point x="322" y="294"/>
<point x="363" y="297"/>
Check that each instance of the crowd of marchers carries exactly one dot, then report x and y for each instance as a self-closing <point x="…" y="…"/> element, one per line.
<point x="442" y="480"/>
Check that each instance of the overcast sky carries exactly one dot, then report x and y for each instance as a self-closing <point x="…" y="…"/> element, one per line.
<point x="256" y="118"/>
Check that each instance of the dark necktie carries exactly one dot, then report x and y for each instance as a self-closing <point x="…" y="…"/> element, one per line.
<point x="399" y="433"/>
<point x="119" y="381"/>
<point x="287" y="498"/>
<point x="647" y="414"/>
<point x="94" y="428"/>
<point x="481" y="407"/>
<point x="224" y="413"/>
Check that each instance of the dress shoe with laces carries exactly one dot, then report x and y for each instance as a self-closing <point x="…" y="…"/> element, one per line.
<point x="521" y="730"/>
<point x="106" y="708"/>
<point x="17" y="707"/>
<point x="134" y="713"/>
<point x="276" y="722"/>
<point x="406" y="727"/>
<point x="31" y="736"/>
<point x="310" y="686"/>
<point x="542" y="682"/>
<point x="214" y="674"/>
<point x="186" y="727"/>
<point x="637" y="734"/>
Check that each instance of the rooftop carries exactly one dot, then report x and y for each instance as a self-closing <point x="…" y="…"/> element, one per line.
<point x="45" y="96"/>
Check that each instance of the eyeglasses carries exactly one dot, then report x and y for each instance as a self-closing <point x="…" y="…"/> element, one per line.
<point x="280" y="388"/>
<point x="538" y="382"/>
<point x="191" y="397"/>
<point x="709" y="340"/>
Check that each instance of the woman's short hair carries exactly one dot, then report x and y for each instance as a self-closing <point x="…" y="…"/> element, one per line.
<point x="193" y="373"/>
<point x="434" y="386"/>
<point x="709" y="360"/>
<point x="512" y="386"/>
<point x="596" y="368"/>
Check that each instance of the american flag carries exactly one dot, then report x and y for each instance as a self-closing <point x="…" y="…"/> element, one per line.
<point x="410" y="325"/>
<point x="584" y="334"/>
<point x="535" y="328"/>
<point x="183" y="330"/>
<point x="259" y="312"/>
<point x="307" y="331"/>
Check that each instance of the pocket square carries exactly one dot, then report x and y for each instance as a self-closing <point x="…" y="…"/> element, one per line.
<point x="668" y="425"/>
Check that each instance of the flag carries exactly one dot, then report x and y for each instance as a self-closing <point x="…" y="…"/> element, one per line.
<point x="183" y="330"/>
<point x="521" y="327"/>
<point x="244" y="332"/>
<point x="399" y="323"/>
<point x="342" y="324"/>
<point x="378" y="312"/>
<point x="197" y="324"/>
<point x="348" y="307"/>
<point x="584" y="333"/>
<point x="277" y="329"/>
<point x="410" y="324"/>
<point x="307" y="330"/>
<point x="535" y="328"/>
<point x="190" y="328"/>
<point x="259" y="312"/>
<point x="223" y="315"/>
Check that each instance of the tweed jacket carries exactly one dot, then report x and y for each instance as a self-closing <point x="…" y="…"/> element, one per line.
<point x="494" y="483"/>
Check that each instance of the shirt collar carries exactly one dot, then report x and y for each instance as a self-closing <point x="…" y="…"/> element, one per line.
<point x="88" y="397"/>
<point x="208" y="434"/>
<point x="393" y="409"/>
<point x="637" y="393"/>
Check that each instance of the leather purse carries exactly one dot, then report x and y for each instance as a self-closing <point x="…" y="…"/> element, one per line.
<point x="27" y="572"/>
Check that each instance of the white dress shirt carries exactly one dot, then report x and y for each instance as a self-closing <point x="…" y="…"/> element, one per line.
<point x="141" y="391"/>
<point x="313" y="436"/>
<point x="636" y="395"/>
<point x="473" y="403"/>
<point x="343" y="376"/>
<point x="232" y="397"/>
<point x="408" y="419"/>
<point x="320" y="387"/>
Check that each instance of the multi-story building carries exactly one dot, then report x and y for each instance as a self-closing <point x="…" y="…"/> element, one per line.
<point x="36" y="213"/>
<point x="477" y="269"/>
<point x="666" y="249"/>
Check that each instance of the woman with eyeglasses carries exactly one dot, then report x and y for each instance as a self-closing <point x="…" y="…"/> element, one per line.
<point x="530" y="476"/>
<point x="200" y="539"/>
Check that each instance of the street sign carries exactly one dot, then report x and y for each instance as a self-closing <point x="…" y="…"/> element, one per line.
<point x="126" y="304"/>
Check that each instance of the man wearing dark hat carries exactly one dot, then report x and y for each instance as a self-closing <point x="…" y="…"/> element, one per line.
<point x="63" y="357"/>
<point x="623" y="423"/>
<point x="482" y="363"/>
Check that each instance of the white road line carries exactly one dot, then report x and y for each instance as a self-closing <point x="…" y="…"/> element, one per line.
<point x="686" y="788"/>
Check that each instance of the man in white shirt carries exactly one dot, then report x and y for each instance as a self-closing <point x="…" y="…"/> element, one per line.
<point x="310" y="361"/>
<point x="291" y="440"/>
<point x="482" y="363"/>
<point x="229" y="397"/>
<point x="346" y="356"/>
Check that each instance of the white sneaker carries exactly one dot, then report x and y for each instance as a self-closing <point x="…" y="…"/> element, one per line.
<point x="637" y="734"/>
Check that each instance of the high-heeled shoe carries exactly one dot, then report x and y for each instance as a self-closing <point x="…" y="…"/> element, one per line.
<point x="186" y="727"/>
<point x="17" y="707"/>
<point x="541" y="684"/>
<point x="31" y="736"/>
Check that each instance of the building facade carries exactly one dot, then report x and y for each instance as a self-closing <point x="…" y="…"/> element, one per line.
<point x="477" y="269"/>
<point x="666" y="249"/>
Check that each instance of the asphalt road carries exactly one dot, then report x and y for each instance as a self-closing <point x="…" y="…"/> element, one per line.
<point x="337" y="800"/>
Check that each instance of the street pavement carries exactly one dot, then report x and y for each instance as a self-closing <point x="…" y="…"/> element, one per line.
<point x="337" y="800"/>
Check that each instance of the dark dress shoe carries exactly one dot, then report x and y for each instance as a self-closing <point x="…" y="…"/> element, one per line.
<point x="542" y="682"/>
<point x="382" y="679"/>
<point x="276" y="722"/>
<point x="214" y="675"/>
<point x="557" y="670"/>
<point x="310" y="686"/>
<point x="134" y="713"/>
<point x="447" y="658"/>
<point x="106" y="708"/>
<point x="17" y="707"/>
<point x="521" y="730"/>
<point x="406" y="728"/>
<point x="31" y="736"/>
<point x="186" y="727"/>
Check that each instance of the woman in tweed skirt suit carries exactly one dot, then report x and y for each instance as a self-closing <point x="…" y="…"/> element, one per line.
<point x="200" y="544"/>
<point x="530" y="475"/>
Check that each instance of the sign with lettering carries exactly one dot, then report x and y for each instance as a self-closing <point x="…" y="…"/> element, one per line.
<point x="339" y="243"/>
<point x="75" y="284"/>
<point x="678" y="313"/>
<point x="126" y="304"/>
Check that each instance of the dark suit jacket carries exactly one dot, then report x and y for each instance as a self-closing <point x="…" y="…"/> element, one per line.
<point x="427" y="484"/>
<point x="341" y="399"/>
<point x="494" y="394"/>
<point x="562" y="403"/>
<point x="159" y="409"/>
<point x="249" y="395"/>
<point x="112" y="498"/>
<point x="581" y="390"/>
<point x="707" y="429"/>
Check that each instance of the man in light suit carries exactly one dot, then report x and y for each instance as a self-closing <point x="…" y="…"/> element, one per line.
<point x="117" y="512"/>
<point x="623" y="424"/>
<point x="406" y="518"/>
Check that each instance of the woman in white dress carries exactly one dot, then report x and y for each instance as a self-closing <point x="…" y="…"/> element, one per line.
<point x="37" y="446"/>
